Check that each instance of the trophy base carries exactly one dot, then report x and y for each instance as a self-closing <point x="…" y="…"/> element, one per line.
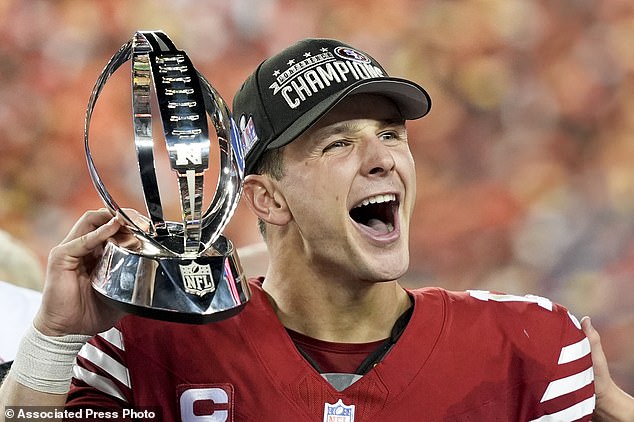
<point x="199" y="290"/>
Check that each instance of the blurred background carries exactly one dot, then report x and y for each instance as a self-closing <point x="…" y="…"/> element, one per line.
<point x="525" y="164"/>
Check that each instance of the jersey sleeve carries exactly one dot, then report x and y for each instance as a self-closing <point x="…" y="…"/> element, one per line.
<point x="552" y="346"/>
<point x="101" y="379"/>
<point x="569" y="394"/>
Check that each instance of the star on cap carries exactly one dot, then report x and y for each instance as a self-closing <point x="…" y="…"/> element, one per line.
<point x="324" y="49"/>
<point x="307" y="54"/>
<point x="290" y="62"/>
<point x="276" y="73"/>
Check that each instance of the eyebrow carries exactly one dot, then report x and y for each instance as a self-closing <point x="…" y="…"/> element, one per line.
<point x="348" y="127"/>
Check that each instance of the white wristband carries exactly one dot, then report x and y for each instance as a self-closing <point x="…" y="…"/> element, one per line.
<point x="45" y="363"/>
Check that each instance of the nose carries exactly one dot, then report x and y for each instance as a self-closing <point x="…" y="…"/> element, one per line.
<point x="378" y="158"/>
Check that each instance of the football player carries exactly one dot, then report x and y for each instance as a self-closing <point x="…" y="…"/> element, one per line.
<point x="329" y="333"/>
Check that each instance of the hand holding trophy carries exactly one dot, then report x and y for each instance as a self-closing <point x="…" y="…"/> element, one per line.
<point x="184" y="271"/>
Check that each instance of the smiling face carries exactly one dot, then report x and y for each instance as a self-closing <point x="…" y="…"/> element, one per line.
<point x="349" y="189"/>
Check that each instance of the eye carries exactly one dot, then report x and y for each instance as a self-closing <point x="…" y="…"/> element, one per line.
<point x="340" y="143"/>
<point x="392" y="135"/>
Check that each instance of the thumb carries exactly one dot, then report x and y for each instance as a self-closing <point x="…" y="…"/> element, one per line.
<point x="599" y="361"/>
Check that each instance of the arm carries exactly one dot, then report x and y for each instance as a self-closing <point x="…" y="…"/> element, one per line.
<point x="69" y="314"/>
<point x="613" y="404"/>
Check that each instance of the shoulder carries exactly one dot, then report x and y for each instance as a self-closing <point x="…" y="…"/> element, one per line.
<point x="140" y="332"/>
<point x="487" y="302"/>
<point x="534" y="324"/>
<point x="484" y="302"/>
<point x="111" y="363"/>
<point x="523" y="310"/>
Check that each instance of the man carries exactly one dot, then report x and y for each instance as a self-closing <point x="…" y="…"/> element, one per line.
<point x="329" y="334"/>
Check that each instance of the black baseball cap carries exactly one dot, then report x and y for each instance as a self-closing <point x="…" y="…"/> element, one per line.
<point x="290" y="91"/>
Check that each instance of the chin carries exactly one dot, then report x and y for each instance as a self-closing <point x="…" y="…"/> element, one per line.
<point x="389" y="272"/>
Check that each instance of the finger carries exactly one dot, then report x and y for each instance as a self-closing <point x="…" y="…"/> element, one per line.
<point x="596" y="349"/>
<point x="135" y="217"/>
<point x="590" y="331"/>
<point x="86" y="243"/>
<point x="87" y="223"/>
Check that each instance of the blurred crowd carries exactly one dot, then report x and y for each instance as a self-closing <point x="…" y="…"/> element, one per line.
<point x="525" y="164"/>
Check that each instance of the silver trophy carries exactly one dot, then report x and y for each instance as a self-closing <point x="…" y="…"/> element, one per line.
<point x="184" y="271"/>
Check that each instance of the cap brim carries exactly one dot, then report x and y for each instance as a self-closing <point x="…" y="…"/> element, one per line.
<point x="411" y="99"/>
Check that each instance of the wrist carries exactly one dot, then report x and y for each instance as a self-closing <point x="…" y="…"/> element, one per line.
<point x="45" y="363"/>
<point x="42" y="325"/>
<point x="615" y="405"/>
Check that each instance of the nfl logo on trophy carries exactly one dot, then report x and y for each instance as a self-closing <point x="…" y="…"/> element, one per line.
<point x="185" y="270"/>
<point x="197" y="279"/>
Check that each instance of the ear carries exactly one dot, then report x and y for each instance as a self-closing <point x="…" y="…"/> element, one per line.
<point x="265" y="199"/>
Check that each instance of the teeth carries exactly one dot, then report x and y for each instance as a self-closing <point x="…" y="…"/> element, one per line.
<point x="377" y="199"/>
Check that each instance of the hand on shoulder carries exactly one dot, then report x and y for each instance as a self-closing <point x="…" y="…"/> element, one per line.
<point x="613" y="404"/>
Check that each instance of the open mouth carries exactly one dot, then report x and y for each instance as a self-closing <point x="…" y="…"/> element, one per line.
<point x="377" y="212"/>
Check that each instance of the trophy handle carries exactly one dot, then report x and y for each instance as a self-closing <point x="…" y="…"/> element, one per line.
<point x="143" y="140"/>
<point x="184" y="95"/>
<point x="229" y="188"/>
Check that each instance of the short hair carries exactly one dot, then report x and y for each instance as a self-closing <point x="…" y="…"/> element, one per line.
<point x="271" y="163"/>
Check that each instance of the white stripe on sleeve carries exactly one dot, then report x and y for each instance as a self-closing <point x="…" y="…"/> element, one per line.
<point x="114" y="337"/>
<point x="567" y="385"/>
<point x="574" y="412"/>
<point x="574" y="351"/>
<point x="97" y="381"/>
<point x="107" y="363"/>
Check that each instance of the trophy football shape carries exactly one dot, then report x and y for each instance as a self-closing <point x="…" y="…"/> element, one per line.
<point x="187" y="270"/>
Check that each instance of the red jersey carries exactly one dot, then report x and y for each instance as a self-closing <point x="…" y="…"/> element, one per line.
<point x="471" y="356"/>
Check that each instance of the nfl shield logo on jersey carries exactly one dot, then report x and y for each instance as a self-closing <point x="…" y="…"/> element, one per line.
<point x="338" y="412"/>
